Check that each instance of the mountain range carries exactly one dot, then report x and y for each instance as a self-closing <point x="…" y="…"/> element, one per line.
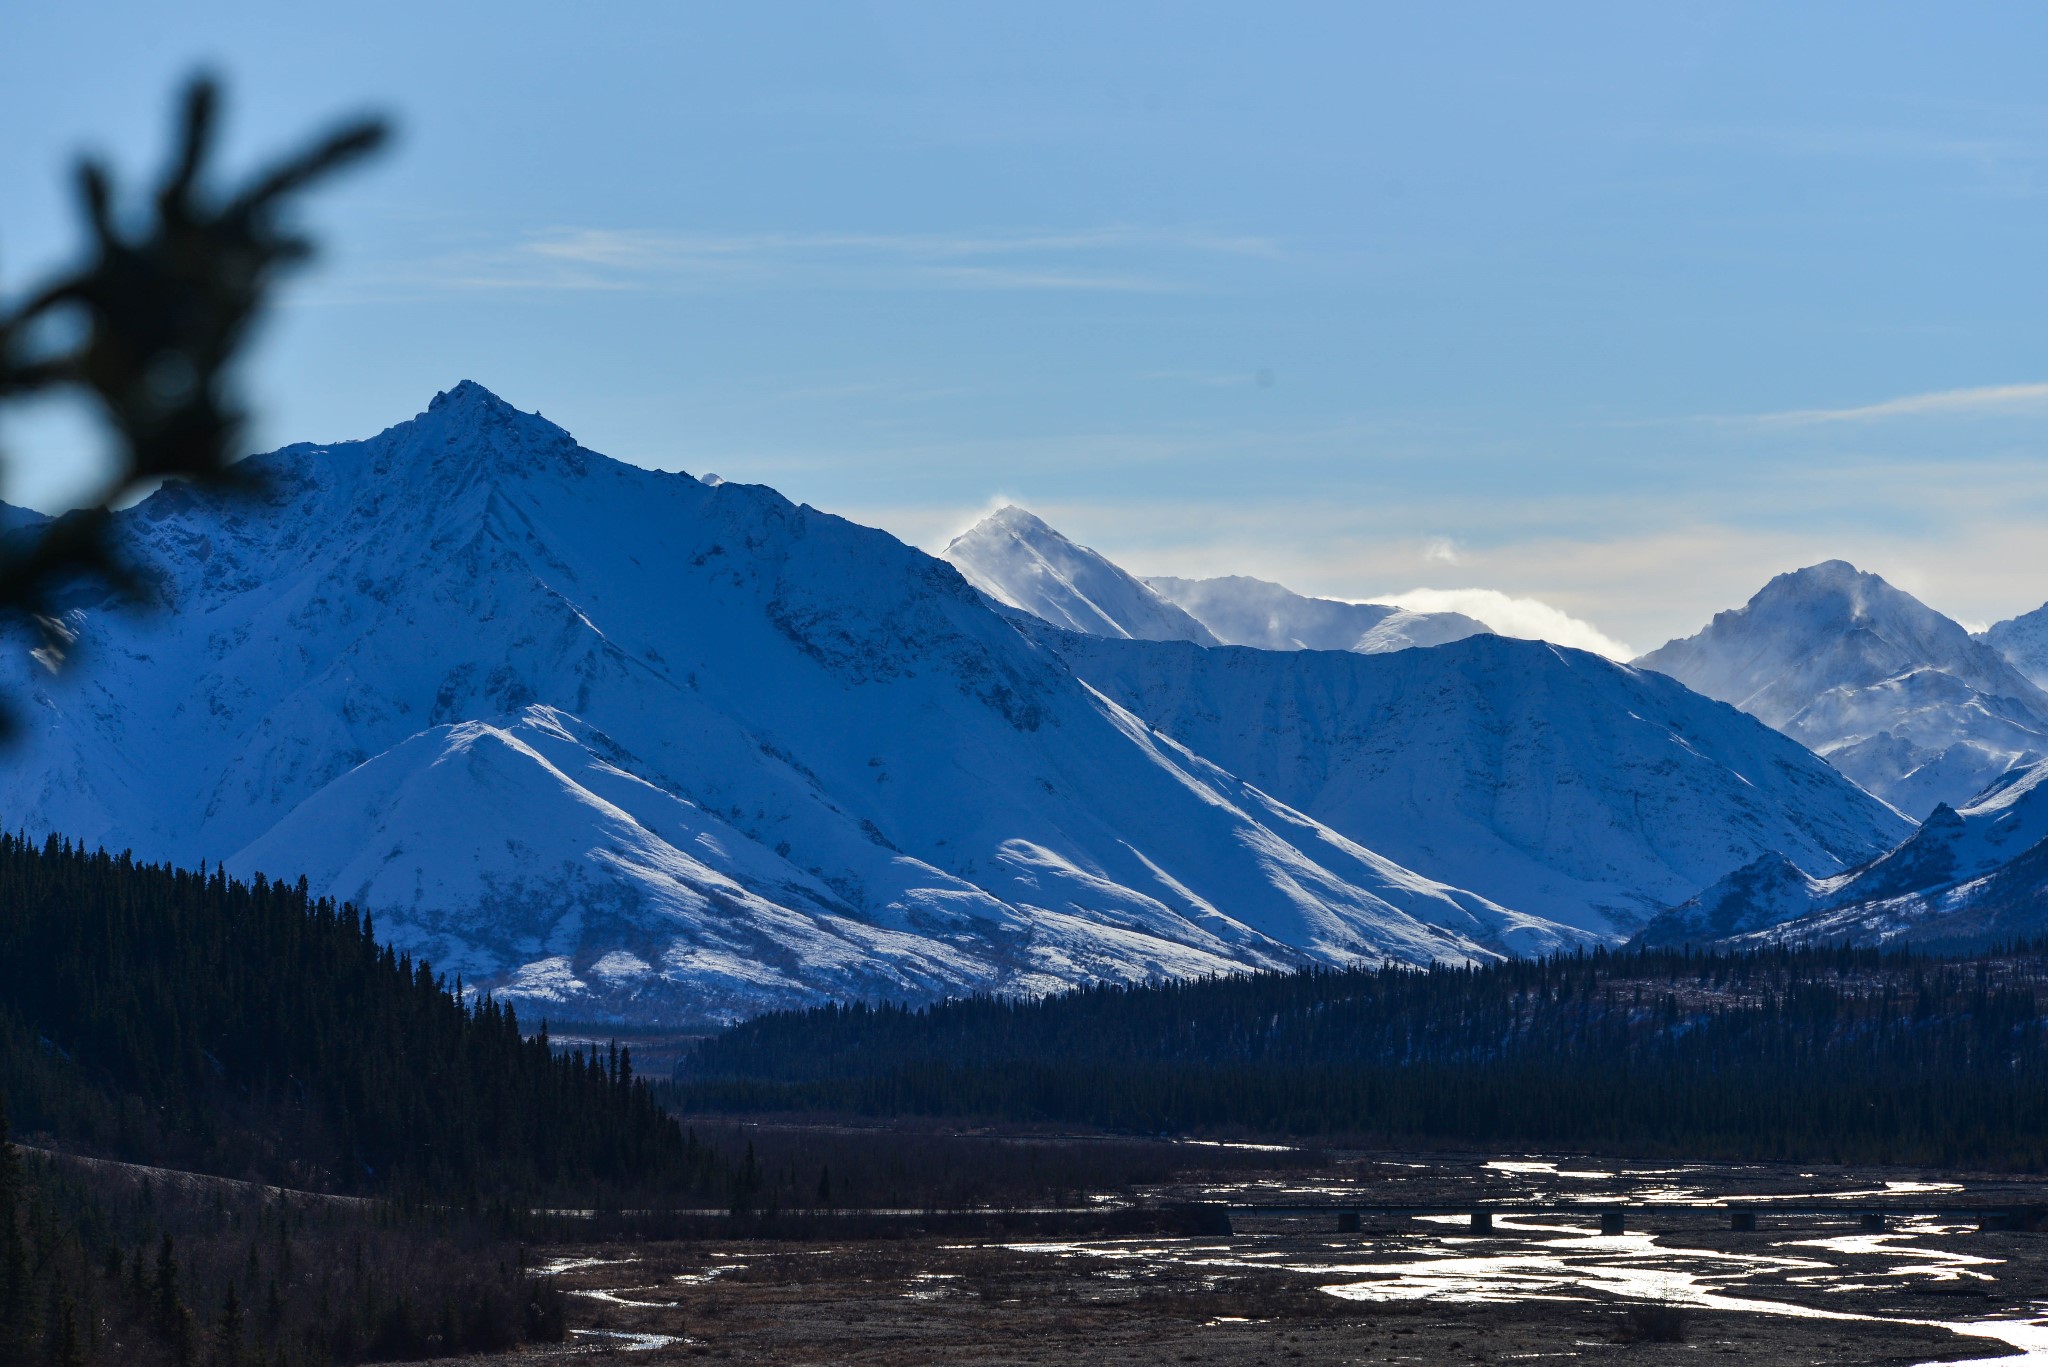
<point x="628" y="745"/>
<point x="1966" y="878"/>
<point x="643" y="746"/>
<point x="1018" y="560"/>
<point x="1906" y="702"/>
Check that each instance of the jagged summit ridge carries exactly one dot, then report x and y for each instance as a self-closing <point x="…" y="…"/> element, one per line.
<point x="469" y="423"/>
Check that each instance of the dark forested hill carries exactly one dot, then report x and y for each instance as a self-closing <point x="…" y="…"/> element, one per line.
<point x="162" y="1015"/>
<point x="165" y="1017"/>
<point x="1806" y="1054"/>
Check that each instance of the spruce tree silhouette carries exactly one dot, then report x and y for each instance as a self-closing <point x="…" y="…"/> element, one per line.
<point x="146" y="329"/>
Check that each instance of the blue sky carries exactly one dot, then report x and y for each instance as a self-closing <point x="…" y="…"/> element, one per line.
<point x="1622" y="308"/>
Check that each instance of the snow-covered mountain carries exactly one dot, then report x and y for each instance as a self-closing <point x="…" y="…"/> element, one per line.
<point x="1550" y="780"/>
<point x="632" y="744"/>
<point x="1968" y="876"/>
<point x="2023" y="642"/>
<point x="1898" y="697"/>
<point x="1243" y="611"/>
<point x="1016" y="559"/>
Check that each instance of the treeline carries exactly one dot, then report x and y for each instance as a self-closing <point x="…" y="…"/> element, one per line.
<point x="189" y="1021"/>
<point x="1805" y="1054"/>
<point x="169" y="1016"/>
<point x="100" y="1265"/>
<point x="780" y="1170"/>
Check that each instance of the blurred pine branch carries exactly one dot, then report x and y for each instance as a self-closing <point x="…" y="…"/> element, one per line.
<point x="147" y="330"/>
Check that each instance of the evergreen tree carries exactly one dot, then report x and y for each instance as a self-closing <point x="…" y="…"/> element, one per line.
<point x="66" y="1346"/>
<point x="230" y="1339"/>
<point x="17" y="1303"/>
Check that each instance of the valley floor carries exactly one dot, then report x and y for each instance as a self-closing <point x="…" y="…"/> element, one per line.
<point x="1805" y="1288"/>
<point x="916" y="1302"/>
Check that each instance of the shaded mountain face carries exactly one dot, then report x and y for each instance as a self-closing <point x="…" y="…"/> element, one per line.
<point x="1549" y="779"/>
<point x="2023" y="643"/>
<point x="1898" y="697"/>
<point x="1967" y="878"/>
<point x="625" y="744"/>
<point x="1242" y="611"/>
<point x="1020" y="562"/>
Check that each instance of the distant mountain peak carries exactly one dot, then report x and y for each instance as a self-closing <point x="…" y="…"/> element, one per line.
<point x="1012" y="518"/>
<point x="1839" y="571"/>
<point x="1245" y="611"/>
<point x="1857" y="595"/>
<point x="1014" y="557"/>
<point x="1899" y="697"/>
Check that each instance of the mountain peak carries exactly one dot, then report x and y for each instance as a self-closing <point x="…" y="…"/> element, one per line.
<point x="1832" y="577"/>
<point x="1020" y="519"/>
<point x="468" y="393"/>
<point x="1015" y="558"/>
<point x="1897" y="696"/>
<point x="470" y="429"/>
<point x="1009" y="520"/>
<point x="469" y="404"/>
<point x="1826" y="574"/>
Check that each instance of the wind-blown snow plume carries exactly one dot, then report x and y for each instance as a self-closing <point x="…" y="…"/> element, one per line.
<point x="1529" y="618"/>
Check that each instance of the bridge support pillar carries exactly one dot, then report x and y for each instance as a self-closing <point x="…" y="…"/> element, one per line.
<point x="1742" y="1221"/>
<point x="2011" y="1219"/>
<point x="1873" y="1220"/>
<point x="1482" y="1222"/>
<point x="1613" y="1222"/>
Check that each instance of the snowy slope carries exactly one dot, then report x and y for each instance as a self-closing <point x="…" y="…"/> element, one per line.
<point x="2023" y="642"/>
<point x="1021" y="562"/>
<point x="2009" y="903"/>
<point x="1767" y="892"/>
<point x="1895" y="695"/>
<point x="1929" y="888"/>
<point x="650" y="747"/>
<point x="1543" y="778"/>
<point x="1243" y="611"/>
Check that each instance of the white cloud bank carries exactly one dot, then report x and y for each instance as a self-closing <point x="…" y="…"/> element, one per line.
<point x="1529" y="618"/>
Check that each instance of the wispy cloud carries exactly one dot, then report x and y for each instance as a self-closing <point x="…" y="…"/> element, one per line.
<point x="583" y="258"/>
<point x="1529" y="618"/>
<point x="1983" y="400"/>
